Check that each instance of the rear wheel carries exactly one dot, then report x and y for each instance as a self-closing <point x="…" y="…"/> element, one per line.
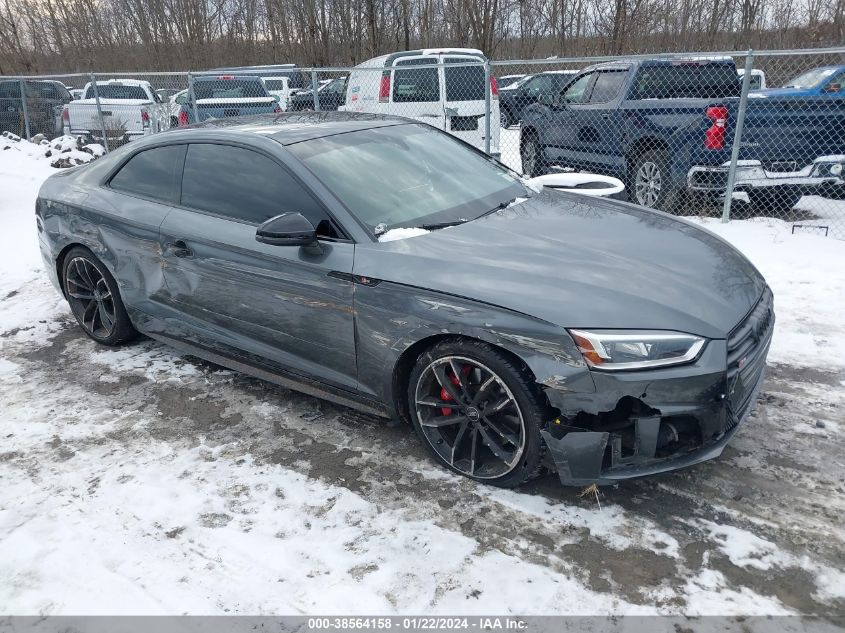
<point x="94" y="298"/>
<point x="477" y="412"/>
<point x="648" y="179"/>
<point x="533" y="163"/>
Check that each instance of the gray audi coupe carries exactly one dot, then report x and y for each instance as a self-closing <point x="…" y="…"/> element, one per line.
<point x="385" y="265"/>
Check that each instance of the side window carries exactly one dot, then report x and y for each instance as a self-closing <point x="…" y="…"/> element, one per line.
<point x="836" y="84"/>
<point x="607" y="86"/>
<point x="415" y="84"/>
<point x="576" y="92"/>
<point x="153" y="173"/>
<point x="244" y="185"/>
<point x="541" y="84"/>
<point x="180" y="99"/>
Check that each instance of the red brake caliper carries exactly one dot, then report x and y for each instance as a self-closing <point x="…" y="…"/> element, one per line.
<point x="444" y="395"/>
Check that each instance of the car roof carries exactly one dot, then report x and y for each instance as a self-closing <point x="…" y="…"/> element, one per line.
<point x="293" y="127"/>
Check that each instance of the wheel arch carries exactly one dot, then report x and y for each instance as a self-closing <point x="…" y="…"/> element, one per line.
<point x="645" y="144"/>
<point x="405" y="364"/>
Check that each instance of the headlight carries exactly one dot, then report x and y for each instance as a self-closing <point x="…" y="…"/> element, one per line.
<point x="614" y="350"/>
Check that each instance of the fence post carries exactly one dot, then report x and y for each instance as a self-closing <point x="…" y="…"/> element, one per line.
<point x="740" y="121"/>
<point x="487" y="125"/>
<point x="314" y="90"/>
<point x="25" y="110"/>
<point x="191" y="97"/>
<point x="99" y="111"/>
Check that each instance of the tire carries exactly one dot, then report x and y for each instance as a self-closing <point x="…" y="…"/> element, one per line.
<point x="174" y="122"/>
<point x="494" y="436"/>
<point x="773" y="202"/>
<point x="505" y="118"/>
<point x="648" y="179"/>
<point x="94" y="298"/>
<point x="533" y="163"/>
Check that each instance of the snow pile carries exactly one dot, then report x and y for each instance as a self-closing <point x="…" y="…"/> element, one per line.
<point x="401" y="234"/>
<point x="807" y="275"/>
<point x="63" y="151"/>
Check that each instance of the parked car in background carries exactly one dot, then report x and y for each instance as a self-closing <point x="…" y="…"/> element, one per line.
<point x="45" y="100"/>
<point x="518" y="96"/>
<point x="506" y="81"/>
<point x="826" y="81"/>
<point x="227" y="96"/>
<point x="165" y="93"/>
<point x="330" y="95"/>
<point x="76" y="93"/>
<point x="757" y="81"/>
<point x="279" y="87"/>
<point x="517" y="329"/>
<point x="175" y="103"/>
<point x="665" y="127"/>
<point x="295" y="79"/>
<point x="130" y="108"/>
<point x="448" y="97"/>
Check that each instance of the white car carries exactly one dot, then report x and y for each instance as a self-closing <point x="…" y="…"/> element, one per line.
<point x="279" y="87"/>
<point x="448" y="97"/>
<point x="757" y="80"/>
<point x="130" y="108"/>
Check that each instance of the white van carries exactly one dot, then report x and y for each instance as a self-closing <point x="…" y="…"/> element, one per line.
<point x="448" y="98"/>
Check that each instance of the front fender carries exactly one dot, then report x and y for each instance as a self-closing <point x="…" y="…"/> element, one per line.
<point x="395" y="321"/>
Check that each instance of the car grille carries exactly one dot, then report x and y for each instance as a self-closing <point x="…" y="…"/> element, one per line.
<point x="748" y="345"/>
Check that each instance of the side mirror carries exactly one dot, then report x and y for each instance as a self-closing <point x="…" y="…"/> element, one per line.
<point x="550" y="100"/>
<point x="832" y="88"/>
<point x="276" y="98"/>
<point x="287" y="229"/>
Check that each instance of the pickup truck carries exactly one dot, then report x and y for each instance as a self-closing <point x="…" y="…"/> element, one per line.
<point x="218" y="97"/>
<point x="130" y="109"/>
<point x="44" y="100"/>
<point x="665" y="127"/>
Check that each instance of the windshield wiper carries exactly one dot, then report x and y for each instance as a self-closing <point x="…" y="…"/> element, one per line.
<point x="441" y="225"/>
<point x="502" y="205"/>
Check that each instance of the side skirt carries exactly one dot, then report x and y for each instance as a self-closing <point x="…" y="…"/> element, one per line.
<point x="277" y="376"/>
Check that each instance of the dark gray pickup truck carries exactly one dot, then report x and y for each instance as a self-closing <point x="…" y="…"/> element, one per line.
<point x="666" y="127"/>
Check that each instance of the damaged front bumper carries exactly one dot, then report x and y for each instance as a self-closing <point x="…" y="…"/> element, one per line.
<point x="647" y="422"/>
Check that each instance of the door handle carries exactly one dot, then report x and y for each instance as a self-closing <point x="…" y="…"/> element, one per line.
<point x="179" y="249"/>
<point x="605" y="115"/>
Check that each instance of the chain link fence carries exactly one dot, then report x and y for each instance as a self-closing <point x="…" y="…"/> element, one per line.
<point x="735" y="135"/>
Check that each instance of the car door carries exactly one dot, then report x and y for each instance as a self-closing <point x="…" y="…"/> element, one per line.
<point x="560" y="137"/>
<point x="596" y="131"/>
<point x="416" y="92"/>
<point x="464" y="100"/>
<point x="11" y="109"/>
<point x="290" y="305"/>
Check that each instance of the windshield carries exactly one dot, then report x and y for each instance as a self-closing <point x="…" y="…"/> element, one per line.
<point x="810" y="79"/>
<point x="117" y="91"/>
<point x="408" y="176"/>
<point x="229" y="89"/>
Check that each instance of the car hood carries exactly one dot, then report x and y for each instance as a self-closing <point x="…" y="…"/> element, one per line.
<point x="580" y="262"/>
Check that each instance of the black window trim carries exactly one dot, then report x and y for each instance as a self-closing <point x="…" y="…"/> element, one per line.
<point x="247" y="146"/>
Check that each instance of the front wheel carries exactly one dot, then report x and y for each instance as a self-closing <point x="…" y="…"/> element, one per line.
<point x="94" y="298"/>
<point x="477" y="412"/>
<point x="533" y="164"/>
<point x="505" y="118"/>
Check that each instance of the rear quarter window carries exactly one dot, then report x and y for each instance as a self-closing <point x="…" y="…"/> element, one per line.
<point x="686" y="81"/>
<point x="153" y="173"/>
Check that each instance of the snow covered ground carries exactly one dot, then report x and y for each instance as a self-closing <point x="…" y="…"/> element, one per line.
<point x="136" y="480"/>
